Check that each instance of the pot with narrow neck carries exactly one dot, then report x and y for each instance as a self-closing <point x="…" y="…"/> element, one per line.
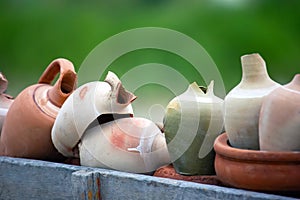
<point x="27" y="128"/>
<point x="192" y="122"/>
<point x="93" y="100"/>
<point x="280" y="120"/>
<point x="243" y="103"/>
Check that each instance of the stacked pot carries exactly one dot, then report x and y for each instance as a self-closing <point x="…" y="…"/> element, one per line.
<point x="93" y="123"/>
<point x="262" y="124"/>
<point x="260" y="114"/>
<point x="97" y="121"/>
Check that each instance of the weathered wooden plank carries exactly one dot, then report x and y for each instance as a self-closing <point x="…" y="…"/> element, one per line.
<point x="32" y="179"/>
<point x="116" y="185"/>
<point x="86" y="185"/>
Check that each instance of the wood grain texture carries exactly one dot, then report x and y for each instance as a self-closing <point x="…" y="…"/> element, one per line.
<point x="33" y="179"/>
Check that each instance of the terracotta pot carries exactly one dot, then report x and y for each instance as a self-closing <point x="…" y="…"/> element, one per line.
<point x="257" y="170"/>
<point x="279" y="123"/>
<point x="5" y="99"/>
<point x="192" y="122"/>
<point x="27" y="129"/>
<point x="243" y="103"/>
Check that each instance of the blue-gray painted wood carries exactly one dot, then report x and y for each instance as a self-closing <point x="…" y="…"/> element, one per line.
<point x="86" y="185"/>
<point x="33" y="179"/>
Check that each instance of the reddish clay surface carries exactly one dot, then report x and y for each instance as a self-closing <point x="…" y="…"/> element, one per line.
<point x="257" y="170"/>
<point x="27" y="128"/>
<point x="169" y="172"/>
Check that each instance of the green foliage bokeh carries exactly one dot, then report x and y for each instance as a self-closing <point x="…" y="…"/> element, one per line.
<point x="33" y="33"/>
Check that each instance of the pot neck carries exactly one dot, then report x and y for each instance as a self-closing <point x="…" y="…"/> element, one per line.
<point x="295" y="83"/>
<point x="62" y="89"/>
<point x="254" y="69"/>
<point x="65" y="84"/>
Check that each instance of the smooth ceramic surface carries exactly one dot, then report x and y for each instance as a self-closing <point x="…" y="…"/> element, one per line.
<point x="84" y="106"/>
<point x="257" y="170"/>
<point x="27" y="128"/>
<point x="192" y="122"/>
<point x="128" y="144"/>
<point x="279" y="124"/>
<point x="243" y="103"/>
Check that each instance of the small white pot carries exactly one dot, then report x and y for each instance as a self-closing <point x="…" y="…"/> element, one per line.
<point x="83" y="107"/>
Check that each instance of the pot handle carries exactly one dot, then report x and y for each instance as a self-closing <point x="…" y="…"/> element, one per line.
<point x="65" y="84"/>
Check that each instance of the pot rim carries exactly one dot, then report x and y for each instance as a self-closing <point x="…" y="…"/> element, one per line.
<point x="222" y="147"/>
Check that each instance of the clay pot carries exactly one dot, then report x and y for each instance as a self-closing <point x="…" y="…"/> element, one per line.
<point x="169" y="172"/>
<point x="84" y="106"/>
<point x="257" y="170"/>
<point x="279" y="127"/>
<point x="27" y="129"/>
<point x="192" y="122"/>
<point x="5" y="100"/>
<point x="243" y="103"/>
<point x="129" y="144"/>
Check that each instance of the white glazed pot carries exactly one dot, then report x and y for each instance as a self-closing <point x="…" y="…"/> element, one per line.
<point x="128" y="144"/>
<point x="279" y="124"/>
<point x="243" y="103"/>
<point x="84" y="105"/>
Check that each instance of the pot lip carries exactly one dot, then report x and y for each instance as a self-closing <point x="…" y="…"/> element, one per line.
<point x="222" y="148"/>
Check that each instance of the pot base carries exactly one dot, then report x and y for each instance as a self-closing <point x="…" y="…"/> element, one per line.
<point x="264" y="171"/>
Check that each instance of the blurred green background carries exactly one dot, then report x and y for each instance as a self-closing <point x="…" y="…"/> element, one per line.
<point x="33" y="33"/>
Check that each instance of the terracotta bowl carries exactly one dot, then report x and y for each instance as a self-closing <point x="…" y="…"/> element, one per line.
<point x="267" y="171"/>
